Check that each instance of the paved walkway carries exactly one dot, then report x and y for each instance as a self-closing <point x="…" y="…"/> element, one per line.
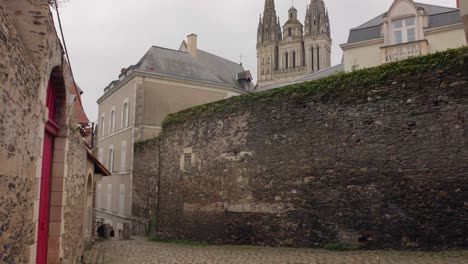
<point x="140" y="251"/>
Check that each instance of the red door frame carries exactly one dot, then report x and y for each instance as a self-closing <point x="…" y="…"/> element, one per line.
<point x="50" y="133"/>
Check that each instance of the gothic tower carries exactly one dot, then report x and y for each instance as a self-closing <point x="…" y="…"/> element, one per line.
<point x="269" y="33"/>
<point x="317" y="41"/>
<point x="293" y="51"/>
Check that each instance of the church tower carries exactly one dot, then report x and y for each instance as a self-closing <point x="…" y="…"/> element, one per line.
<point x="292" y="51"/>
<point x="268" y="36"/>
<point x="317" y="41"/>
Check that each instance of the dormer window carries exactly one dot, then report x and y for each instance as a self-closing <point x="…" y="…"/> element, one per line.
<point x="404" y="30"/>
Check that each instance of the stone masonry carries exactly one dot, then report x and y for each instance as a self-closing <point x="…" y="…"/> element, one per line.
<point x="30" y="56"/>
<point x="380" y="165"/>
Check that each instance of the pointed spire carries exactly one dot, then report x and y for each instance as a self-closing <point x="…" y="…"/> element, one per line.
<point x="269" y="4"/>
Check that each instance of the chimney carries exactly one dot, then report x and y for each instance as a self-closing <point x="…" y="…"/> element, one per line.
<point x="192" y="44"/>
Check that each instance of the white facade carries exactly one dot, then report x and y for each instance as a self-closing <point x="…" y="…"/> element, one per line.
<point x="406" y="30"/>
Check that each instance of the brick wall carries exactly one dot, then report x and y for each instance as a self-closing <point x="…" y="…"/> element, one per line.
<point x="379" y="164"/>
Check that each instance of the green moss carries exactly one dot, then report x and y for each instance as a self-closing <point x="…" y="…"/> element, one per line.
<point x="143" y="143"/>
<point x="178" y="242"/>
<point x="333" y="86"/>
<point x="341" y="247"/>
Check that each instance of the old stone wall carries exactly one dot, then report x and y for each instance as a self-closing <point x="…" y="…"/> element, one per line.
<point x="30" y="56"/>
<point x="74" y="211"/>
<point x="19" y="149"/>
<point x="145" y="181"/>
<point x="376" y="158"/>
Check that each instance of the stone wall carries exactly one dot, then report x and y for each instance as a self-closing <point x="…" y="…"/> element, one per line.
<point x="30" y="56"/>
<point x="19" y="149"/>
<point x="376" y="158"/>
<point x="145" y="181"/>
<point x="73" y="242"/>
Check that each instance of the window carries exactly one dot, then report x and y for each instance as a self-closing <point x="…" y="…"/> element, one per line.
<point x="123" y="156"/>
<point x="287" y="60"/>
<point x="404" y="30"/>
<point x="312" y="52"/>
<point x="112" y="121"/>
<point x="101" y="155"/>
<point x="103" y="125"/>
<point x="109" y="197"/>
<point x="294" y="59"/>
<point x="318" y="58"/>
<point x="110" y="162"/>
<point x="125" y="109"/>
<point x="98" y="196"/>
<point x="289" y="31"/>
<point x="122" y="199"/>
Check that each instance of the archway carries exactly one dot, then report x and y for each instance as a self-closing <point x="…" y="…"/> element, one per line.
<point x="55" y="103"/>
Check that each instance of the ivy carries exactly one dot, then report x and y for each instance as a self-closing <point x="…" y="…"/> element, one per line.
<point x="334" y="86"/>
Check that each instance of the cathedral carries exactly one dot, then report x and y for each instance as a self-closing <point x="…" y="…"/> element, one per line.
<point x="287" y="53"/>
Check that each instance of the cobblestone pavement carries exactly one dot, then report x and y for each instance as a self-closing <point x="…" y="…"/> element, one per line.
<point x="140" y="251"/>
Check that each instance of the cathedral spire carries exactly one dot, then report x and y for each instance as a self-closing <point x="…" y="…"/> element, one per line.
<point x="269" y="25"/>
<point x="317" y="20"/>
<point x="269" y="4"/>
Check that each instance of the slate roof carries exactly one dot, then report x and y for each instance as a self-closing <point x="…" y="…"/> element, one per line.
<point x="313" y="76"/>
<point x="206" y="67"/>
<point x="438" y="16"/>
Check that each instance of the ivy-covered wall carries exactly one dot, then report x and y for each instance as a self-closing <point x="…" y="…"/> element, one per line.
<point x="376" y="157"/>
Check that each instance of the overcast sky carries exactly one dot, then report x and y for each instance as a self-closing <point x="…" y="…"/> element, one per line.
<point x="104" y="36"/>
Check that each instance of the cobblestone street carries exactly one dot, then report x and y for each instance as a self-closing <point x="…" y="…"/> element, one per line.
<point x="140" y="251"/>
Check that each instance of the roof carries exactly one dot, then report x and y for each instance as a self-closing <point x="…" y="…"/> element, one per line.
<point x="310" y="77"/>
<point x="438" y="16"/>
<point x="80" y="113"/>
<point x="99" y="167"/>
<point x="205" y="67"/>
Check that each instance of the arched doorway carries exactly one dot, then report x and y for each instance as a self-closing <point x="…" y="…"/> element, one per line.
<point x="51" y="132"/>
<point x="54" y="139"/>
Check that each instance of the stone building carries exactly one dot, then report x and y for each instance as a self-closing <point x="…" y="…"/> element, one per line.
<point x="294" y="50"/>
<point x="133" y="108"/>
<point x="47" y="171"/>
<point x="407" y="29"/>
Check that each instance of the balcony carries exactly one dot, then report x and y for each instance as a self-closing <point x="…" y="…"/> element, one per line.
<point x="404" y="51"/>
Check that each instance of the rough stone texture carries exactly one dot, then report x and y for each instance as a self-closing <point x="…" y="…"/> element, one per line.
<point x="31" y="55"/>
<point x="145" y="180"/>
<point x="73" y="246"/>
<point x="140" y="251"/>
<point x="19" y="151"/>
<point x="383" y="166"/>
